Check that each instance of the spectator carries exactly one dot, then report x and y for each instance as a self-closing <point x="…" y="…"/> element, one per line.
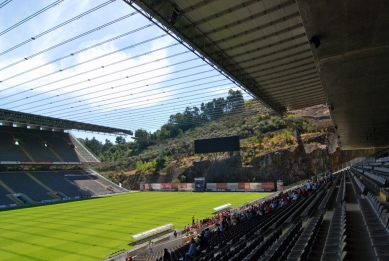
<point x="309" y="186"/>
<point x="175" y="234"/>
<point x="151" y="246"/>
<point x="192" y="250"/>
<point x="166" y="255"/>
<point x="198" y="240"/>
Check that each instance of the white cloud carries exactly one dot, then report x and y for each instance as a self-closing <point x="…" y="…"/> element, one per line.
<point x="94" y="93"/>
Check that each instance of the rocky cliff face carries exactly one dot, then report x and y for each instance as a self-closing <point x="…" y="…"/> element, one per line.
<point x="314" y="153"/>
<point x="318" y="153"/>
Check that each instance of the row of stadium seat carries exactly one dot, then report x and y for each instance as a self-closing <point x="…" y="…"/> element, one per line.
<point x="342" y="188"/>
<point x="245" y="241"/>
<point x="335" y="245"/>
<point x="61" y="147"/>
<point x="42" y="186"/>
<point x="376" y="219"/>
<point x="359" y="187"/>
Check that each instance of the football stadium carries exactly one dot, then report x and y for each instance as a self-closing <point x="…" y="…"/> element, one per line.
<point x="118" y="142"/>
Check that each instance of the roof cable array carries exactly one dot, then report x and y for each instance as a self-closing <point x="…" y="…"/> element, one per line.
<point x="141" y="94"/>
<point x="4" y="3"/>
<point x="30" y="17"/>
<point x="56" y="27"/>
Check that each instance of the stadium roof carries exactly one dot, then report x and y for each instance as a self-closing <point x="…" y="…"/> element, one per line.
<point x="260" y="44"/>
<point x="42" y="121"/>
<point x="265" y="47"/>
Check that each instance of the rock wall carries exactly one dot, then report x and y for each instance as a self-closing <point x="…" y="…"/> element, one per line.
<point x="315" y="155"/>
<point x="298" y="162"/>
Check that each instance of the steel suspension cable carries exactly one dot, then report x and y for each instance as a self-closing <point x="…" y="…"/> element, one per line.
<point x="152" y="110"/>
<point x="137" y="100"/>
<point x="5" y="3"/>
<point x="72" y="39"/>
<point x="159" y="124"/>
<point x="115" y="80"/>
<point x="57" y="26"/>
<point x="154" y="114"/>
<point x="30" y="17"/>
<point x="88" y="61"/>
<point x="77" y="52"/>
<point x="116" y="86"/>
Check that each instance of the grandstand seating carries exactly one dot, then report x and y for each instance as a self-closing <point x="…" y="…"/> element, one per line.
<point x="85" y="182"/>
<point x="10" y="152"/>
<point x="20" y="182"/>
<point x="86" y="155"/>
<point x="335" y="244"/>
<point x="42" y="186"/>
<point x="327" y="199"/>
<point x="61" y="147"/>
<point x="261" y="238"/>
<point x="302" y="246"/>
<point x="4" y="200"/>
<point x="282" y="235"/>
<point x="376" y="219"/>
<point x="359" y="187"/>
<point x="108" y="184"/>
<point x="58" y="184"/>
<point x="342" y="189"/>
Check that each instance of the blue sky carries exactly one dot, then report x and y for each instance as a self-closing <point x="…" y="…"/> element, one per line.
<point x="137" y="87"/>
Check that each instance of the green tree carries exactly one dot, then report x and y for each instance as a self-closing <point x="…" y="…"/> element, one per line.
<point x="93" y="145"/>
<point x="140" y="133"/>
<point x="120" y="140"/>
<point x="235" y="101"/>
<point x="107" y="145"/>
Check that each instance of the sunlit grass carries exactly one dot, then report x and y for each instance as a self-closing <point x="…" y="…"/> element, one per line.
<point x="92" y="229"/>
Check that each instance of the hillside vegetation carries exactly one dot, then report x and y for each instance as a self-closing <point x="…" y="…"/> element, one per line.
<point x="260" y="132"/>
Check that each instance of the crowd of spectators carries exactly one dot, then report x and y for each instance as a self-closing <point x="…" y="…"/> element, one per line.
<point x="222" y="221"/>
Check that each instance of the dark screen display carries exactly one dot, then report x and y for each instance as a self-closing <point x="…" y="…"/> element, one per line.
<point x="217" y="145"/>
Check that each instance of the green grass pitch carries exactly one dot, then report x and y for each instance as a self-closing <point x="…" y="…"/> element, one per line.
<point x="92" y="229"/>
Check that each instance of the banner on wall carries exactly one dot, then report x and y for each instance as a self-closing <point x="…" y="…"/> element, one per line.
<point x="241" y="186"/>
<point x="280" y="185"/>
<point x="256" y="187"/>
<point x="178" y="185"/>
<point x="211" y="186"/>
<point x="221" y="186"/>
<point x="244" y="186"/>
<point x="268" y="186"/>
<point x="232" y="186"/>
<point x="165" y="186"/>
<point x="156" y="186"/>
